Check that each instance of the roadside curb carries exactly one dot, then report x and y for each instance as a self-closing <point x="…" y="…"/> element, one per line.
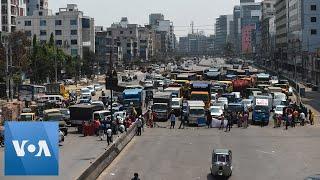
<point x="105" y="159"/>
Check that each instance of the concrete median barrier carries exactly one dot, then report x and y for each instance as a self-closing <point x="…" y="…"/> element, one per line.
<point x="105" y="159"/>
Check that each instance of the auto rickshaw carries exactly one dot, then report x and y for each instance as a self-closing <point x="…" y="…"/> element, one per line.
<point x="221" y="162"/>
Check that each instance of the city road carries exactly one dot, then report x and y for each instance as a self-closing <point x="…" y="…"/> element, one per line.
<point x="258" y="154"/>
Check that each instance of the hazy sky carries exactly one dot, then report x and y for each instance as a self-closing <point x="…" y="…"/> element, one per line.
<point x="181" y="12"/>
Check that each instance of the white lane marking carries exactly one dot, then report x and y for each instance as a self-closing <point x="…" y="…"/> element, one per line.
<point x="265" y="152"/>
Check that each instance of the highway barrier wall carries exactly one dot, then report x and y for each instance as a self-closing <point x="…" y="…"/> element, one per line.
<point x="102" y="162"/>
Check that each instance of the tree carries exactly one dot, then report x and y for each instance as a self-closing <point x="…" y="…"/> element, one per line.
<point x="89" y="61"/>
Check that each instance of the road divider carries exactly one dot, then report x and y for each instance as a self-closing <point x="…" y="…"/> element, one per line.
<point x="105" y="159"/>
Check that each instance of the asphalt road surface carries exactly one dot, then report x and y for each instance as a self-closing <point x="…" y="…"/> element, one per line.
<point x="258" y="154"/>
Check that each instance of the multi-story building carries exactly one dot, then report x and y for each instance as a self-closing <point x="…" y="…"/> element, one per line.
<point x="223" y="30"/>
<point x="33" y="5"/>
<point x="281" y="21"/>
<point x="155" y="18"/>
<point x="165" y="31"/>
<point x="268" y="32"/>
<point x="237" y="30"/>
<point x="196" y="44"/>
<point x="10" y="10"/>
<point x="250" y="15"/>
<point x="73" y="32"/>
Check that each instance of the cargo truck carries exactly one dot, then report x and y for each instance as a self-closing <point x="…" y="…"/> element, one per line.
<point x="262" y="105"/>
<point x="162" y="105"/>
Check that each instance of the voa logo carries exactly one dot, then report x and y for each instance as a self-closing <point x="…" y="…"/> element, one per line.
<point x="42" y="147"/>
<point x="32" y="148"/>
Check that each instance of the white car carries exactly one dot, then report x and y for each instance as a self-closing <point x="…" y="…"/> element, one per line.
<point x="97" y="87"/>
<point x="216" y="111"/>
<point x="92" y="90"/>
<point x="99" y="103"/>
<point x="223" y="100"/>
<point x="83" y="80"/>
<point x="279" y="110"/>
<point x="85" y="92"/>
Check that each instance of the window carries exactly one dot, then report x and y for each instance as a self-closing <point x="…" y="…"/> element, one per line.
<point x="121" y="32"/>
<point x="74" y="32"/>
<point x="27" y="23"/>
<point x="43" y="22"/>
<point x="28" y="33"/>
<point x="130" y="32"/>
<point x="313" y="7"/>
<point x="58" y="32"/>
<point x="313" y="19"/>
<point x="40" y="13"/>
<point x="58" y="42"/>
<point x="58" y="22"/>
<point x="74" y="42"/>
<point x="43" y="33"/>
<point x="73" y="22"/>
<point x="74" y="52"/>
<point x="313" y="31"/>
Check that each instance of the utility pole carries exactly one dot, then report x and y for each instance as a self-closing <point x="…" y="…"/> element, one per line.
<point x="6" y="43"/>
<point x="111" y="78"/>
<point x="10" y="73"/>
<point x="55" y="64"/>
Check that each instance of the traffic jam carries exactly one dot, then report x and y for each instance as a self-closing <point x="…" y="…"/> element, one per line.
<point x="215" y="96"/>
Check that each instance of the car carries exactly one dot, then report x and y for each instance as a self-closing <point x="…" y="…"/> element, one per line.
<point x="216" y="111"/>
<point x="313" y="177"/>
<point x="279" y="110"/>
<point x="117" y="107"/>
<point x="66" y="115"/>
<point x="85" y="92"/>
<point x="92" y="90"/>
<point x="98" y="103"/>
<point x="97" y="87"/>
<point x="69" y="81"/>
<point x="223" y="100"/>
<point x="83" y="81"/>
<point x="85" y="101"/>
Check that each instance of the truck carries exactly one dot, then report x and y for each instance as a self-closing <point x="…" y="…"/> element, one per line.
<point x="162" y="105"/>
<point x="80" y="113"/>
<point x="176" y="91"/>
<point x="196" y="112"/>
<point x="262" y="105"/>
<point x="133" y="97"/>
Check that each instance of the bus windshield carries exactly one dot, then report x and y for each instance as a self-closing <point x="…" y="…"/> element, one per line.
<point x="201" y="97"/>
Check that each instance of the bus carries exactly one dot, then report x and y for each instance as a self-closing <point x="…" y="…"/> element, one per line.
<point x="201" y="96"/>
<point x="31" y="92"/>
<point x="187" y="76"/>
<point x="228" y="86"/>
<point x="263" y="78"/>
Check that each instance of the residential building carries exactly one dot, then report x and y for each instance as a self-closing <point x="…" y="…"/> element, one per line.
<point x="237" y="30"/>
<point x="73" y="32"/>
<point x="33" y="5"/>
<point x="250" y="15"/>
<point x="281" y="21"/>
<point x="155" y="18"/>
<point x="268" y="32"/>
<point x="10" y="10"/>
<point x="196" y="44"/>
<point x="223" y="31"/>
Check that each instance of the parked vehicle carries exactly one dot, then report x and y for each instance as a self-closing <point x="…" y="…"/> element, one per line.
<point x="221" y="162"/>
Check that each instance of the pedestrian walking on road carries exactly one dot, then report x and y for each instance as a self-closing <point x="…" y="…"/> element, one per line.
<point x="172" y="120"/>
<point x="229" y="124"/>
<point x="139" y="126"/>
<point x="182" y="123"/>
<point x="245" y="120"/>
<point x="222" y="122"/>
<point x="109" y="136"/>
<point x="209" y="119"/>
<point x="135" y="176"/>
<point x="311" y="117"/>
<point x="302" y="118"/>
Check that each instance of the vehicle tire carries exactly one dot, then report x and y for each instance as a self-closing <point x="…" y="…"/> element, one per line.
<point x="66" y="132"/>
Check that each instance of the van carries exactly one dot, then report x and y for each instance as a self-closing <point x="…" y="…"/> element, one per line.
<point x="57" y="99"/>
